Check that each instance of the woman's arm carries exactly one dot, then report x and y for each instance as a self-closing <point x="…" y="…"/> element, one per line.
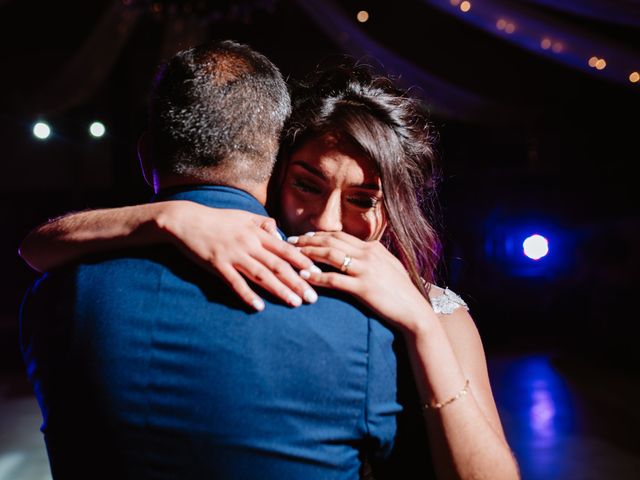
<point x="70" y="237"/>
<point x="466" y="434"/>
<point x="230" y="243"/>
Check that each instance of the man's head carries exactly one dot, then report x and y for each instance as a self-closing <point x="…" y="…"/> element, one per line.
<point x="216" y="113"/>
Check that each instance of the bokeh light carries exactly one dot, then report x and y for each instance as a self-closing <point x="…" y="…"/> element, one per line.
<point x="535" y="247"/>
<point x="97" y="129"/>
<point x="41" y="130"/>
<point x="362" y="16"/>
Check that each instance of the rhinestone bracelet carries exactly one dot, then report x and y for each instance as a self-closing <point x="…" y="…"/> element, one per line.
<point x="438" y="405"/>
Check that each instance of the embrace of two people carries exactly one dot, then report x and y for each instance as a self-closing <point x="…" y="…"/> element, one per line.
<point x="186" y="339"/>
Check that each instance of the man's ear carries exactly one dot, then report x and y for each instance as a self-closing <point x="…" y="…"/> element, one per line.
<point x="145" y="159"/>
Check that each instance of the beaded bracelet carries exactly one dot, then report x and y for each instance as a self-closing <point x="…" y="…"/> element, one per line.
<point x="439" y="405"/>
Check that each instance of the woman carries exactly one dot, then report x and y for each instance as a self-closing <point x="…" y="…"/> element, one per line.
<point x="351" y="186"/>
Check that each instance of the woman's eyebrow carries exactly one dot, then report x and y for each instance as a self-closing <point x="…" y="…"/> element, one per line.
<point x="367" y="186"/>
<point x="318" y="173"/>
<point x="309" y="168"/>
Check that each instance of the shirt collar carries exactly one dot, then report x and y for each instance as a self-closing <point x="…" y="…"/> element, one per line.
<point x="213" y="196"/>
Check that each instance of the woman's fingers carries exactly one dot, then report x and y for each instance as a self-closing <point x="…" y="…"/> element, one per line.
<point x="274" y="242"/>
<point x="329" y="239"/>
<point x="239" y="285"/>
<point x="288" y="277"/>
<point x="287" y="252"/>
<point x="261" y="275"/>
<point x="267" y="224"/>
<point x="369" y="253"/>
<point x="335" y="281"/>
<point x="343" y="261"/>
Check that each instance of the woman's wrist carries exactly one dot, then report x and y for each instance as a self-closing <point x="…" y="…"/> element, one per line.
<point x="421" y="321"/>
<point x="165" y="220"/>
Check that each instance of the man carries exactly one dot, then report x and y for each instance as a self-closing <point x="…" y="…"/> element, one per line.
<point x="147" y="367"/>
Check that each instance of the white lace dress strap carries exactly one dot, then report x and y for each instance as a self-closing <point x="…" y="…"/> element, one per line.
<point x="444" y="301"/>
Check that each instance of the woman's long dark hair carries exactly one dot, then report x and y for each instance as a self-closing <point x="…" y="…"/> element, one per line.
<point x="391" y="128"/>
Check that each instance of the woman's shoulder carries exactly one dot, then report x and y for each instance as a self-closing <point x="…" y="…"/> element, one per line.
<point x="445" y="301"/>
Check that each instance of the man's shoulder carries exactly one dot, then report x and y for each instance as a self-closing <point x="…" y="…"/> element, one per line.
<point x="116" y="269"/>
<point x="95" y="275"/>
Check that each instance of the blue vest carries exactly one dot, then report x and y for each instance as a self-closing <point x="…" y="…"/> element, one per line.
<point x="147" y="366"/>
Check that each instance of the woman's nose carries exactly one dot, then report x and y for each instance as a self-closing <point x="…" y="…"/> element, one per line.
<point x="328" y="217"/>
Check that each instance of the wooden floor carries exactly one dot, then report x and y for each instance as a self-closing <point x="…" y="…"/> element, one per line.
<point x="565" y="419"/>
<point x="22" y="452"/>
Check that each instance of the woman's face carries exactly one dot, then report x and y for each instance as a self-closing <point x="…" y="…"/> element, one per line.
<point x="329" y="185"/>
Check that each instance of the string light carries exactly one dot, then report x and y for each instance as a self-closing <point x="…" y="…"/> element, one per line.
<point x="508" y="27"/>
<point x="546" y="43"/>
<point x="362" y="16"/>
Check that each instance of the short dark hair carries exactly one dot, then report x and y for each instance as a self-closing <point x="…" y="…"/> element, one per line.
<point x="390" y="127"/>
<point x="216" y="112"/>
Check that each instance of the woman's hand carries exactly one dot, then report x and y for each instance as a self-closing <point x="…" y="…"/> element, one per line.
<point x="373" y="275"/>
<point x="234" y="242"/>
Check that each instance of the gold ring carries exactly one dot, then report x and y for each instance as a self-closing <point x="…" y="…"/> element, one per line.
<point x="346" y="263"/>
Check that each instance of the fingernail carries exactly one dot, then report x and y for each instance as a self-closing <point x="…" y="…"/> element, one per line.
<point x="276" y="234"/>
<point x="310" y="295"/>
<point x="295" y="300"/>
<point x="305" y="274"/>
<point x="314" y="269"/>
<point x="293" y="240"/>
<point x="310" y="234"/>
<point x="258" y="304"/>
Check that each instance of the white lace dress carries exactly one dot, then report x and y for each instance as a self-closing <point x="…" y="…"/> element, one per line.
<point x="444" y="301"/>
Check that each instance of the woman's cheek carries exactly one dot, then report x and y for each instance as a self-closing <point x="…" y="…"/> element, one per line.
<point x="285" y="209"/>
<point x="291" y="211"/>
<point x="376" y="224"/>
<point x="358" y="225"/>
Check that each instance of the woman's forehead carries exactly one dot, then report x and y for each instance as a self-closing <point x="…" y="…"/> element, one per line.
<point x="338" y="169"/>
<point x="332" y="151"/>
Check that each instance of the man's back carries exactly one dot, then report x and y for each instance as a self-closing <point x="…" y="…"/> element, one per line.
<point x="173" y="378"/>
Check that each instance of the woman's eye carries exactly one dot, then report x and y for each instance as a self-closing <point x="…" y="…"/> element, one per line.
<point x="305" y="186"/>
<point x="364" y="202"/>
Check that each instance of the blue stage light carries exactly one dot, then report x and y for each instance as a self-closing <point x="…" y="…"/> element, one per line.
<point x="529" y="245"/>
<point x="535" y="247"/>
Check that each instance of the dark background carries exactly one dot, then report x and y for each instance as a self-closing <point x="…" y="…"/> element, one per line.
<point x="564" y="162"/>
